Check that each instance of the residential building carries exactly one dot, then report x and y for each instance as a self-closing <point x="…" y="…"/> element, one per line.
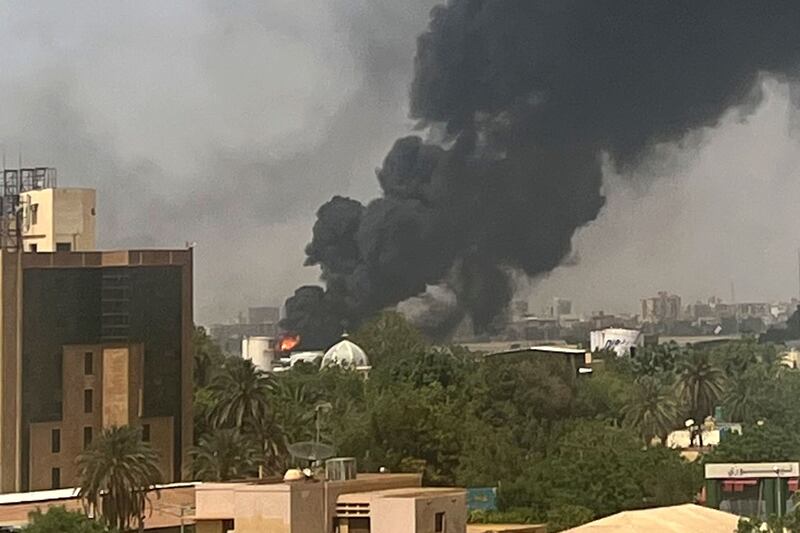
<point x="88" y="340"/>
<point x="56" y="219"/>
<point x="263" y="315"/>
<point x="260" y="322"/>
<point x="663" y="307"/>
<point x="560" y="307"/>
<point x="623" y="342"/>
<point x="367" y="503"/>
<point x="519" y="309"/>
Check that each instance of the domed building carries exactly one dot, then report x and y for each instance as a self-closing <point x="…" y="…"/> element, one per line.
<point x="346" y="354"/>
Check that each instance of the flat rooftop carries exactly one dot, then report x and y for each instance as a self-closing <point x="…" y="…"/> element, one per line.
<point x="109" y="258"/>
<point x="409" y="492"/>
<point x="14" y="507"/>
<point x="556" y="350"/>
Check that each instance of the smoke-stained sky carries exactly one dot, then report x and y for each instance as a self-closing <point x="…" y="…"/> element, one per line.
<point x="228" y="123"/>
<point x="224" y="123"/>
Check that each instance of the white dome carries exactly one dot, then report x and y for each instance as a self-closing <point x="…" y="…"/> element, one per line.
<point x="345" y="353"/>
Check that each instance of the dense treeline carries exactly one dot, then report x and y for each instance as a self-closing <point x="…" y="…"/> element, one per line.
<point x="560" y="448"/>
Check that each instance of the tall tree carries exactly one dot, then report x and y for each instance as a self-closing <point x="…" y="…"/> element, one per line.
<point x="699" y="383"/>
<point x="223" y="455"/>
<point x="389" y="337"/>
<point x="240" y="393"/>
<point x="651" y="409"/>
<point x="116" y="475"/>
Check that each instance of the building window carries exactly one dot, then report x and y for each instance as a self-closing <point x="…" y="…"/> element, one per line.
<point x="34" y="214"/>
<point x="146" y="432"/>
<point x="228" y="525"/>
<point x="438" y="523"/>
<point x="34" y="247"/>
<point x="55" y="478"/>
<point x="63" y="247"/>
<point x="88" y="400"/>
<point x="55" y="440"/>
<point x="88" y="363"/>
<point x="87" y="436"/>
<point x="352" y="525"/>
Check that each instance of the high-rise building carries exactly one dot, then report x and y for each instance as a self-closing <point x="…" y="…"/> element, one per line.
<point x="90" y="340"/>
<point x="663" y="307"/>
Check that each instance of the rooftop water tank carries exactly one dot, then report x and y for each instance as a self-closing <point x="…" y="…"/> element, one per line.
<point x="340" y="468"/>
<point x="260" y="350"/>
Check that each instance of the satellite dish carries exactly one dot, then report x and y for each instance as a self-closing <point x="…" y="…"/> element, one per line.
<point x="311" y="450"/>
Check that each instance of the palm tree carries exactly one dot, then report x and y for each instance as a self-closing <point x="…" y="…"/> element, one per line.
<point x="116" y="474"/>
<point x="651" y="409"/>
<point x="294" y="410"/>
<point x="699" y="384"/>
<point x="223" y="455"/>
<point x="270" y="439"/>
<point x="240" y="394"/>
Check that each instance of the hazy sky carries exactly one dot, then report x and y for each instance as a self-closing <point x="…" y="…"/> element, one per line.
<point x="227" y="123"/>
<point x="721" y="207"/>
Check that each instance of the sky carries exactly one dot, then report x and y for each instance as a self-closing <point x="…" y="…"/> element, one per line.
<point x="228" y="123"/>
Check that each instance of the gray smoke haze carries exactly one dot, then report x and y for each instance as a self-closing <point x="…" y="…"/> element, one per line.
<point x="223" y="123"/>
<point x="533" y="96"/>
<point x="228" y="123"/>
<point x="720" y="209"/>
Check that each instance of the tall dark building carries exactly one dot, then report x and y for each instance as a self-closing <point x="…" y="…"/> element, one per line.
<point x="90" y="340"/>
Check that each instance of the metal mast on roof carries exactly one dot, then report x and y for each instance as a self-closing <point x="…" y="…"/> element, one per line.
<point x="16" y="181"/>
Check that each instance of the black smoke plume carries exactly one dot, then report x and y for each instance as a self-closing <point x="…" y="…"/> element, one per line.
<point x="525" y="97"/>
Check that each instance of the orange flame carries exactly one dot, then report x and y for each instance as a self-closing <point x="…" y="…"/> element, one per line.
<point x="289" y="343"/>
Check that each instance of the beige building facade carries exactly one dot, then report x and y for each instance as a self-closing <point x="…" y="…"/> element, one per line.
<point x="370" y="503"/>
<point x="56" y="219"/>
<point x="102" y="387"/>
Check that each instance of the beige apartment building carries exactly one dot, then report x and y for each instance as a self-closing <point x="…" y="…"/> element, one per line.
<point x="367" y="503"/>
<point x="102" y="386"/>
<point x="56" y="219"/>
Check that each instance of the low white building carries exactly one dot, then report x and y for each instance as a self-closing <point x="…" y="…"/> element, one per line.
<point x="623" y="342"/>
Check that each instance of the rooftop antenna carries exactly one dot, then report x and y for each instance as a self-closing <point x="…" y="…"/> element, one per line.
<point x="733" y="293"/>
<point x="314" y="451"/>
<point x="798" y="270"/>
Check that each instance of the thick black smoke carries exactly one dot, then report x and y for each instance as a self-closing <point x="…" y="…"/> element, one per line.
<point x="530" y="94"/>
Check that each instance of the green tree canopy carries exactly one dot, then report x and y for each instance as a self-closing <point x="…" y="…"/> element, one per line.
<point x="58" y="520"/>
<point x="223" y="455"/>
<point x="769" y="442"/>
